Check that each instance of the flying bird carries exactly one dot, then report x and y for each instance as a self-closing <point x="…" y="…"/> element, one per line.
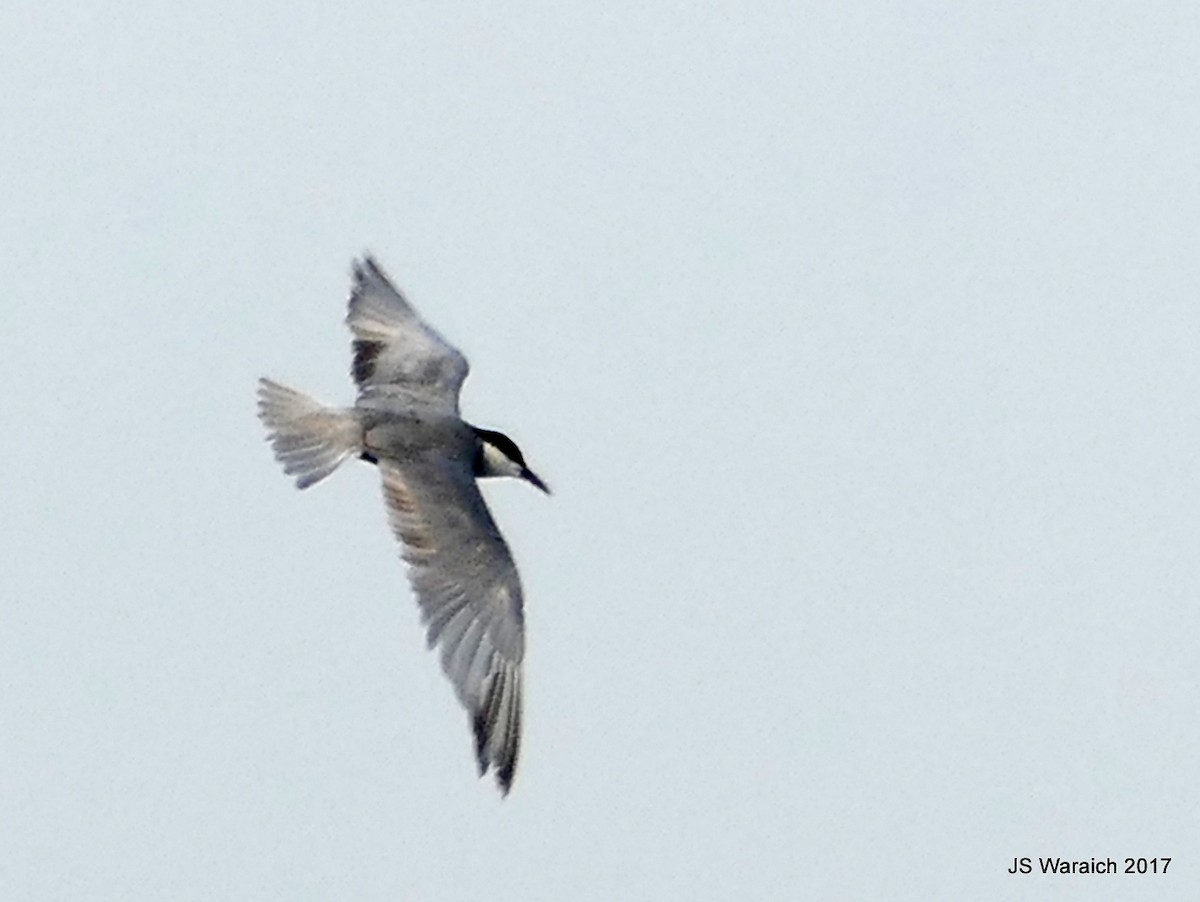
<point x="406" y="422"/>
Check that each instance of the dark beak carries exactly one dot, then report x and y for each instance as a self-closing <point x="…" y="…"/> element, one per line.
<point x="529" y="476"/>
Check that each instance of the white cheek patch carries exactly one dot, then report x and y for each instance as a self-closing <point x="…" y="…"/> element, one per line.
<point x="497" y="463"/>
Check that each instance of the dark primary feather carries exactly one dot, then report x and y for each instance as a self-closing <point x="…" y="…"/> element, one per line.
<point x="485" y="723"/>
<point x="365" y="353"/>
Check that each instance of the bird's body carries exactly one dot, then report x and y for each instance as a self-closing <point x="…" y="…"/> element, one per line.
<point x="394" y="430"/>
<point x="406" y="421"/>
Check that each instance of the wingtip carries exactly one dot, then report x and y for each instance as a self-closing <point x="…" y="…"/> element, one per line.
<point x="505" y="766"/>
<point x="504" y="777"/>
<point x="367" y="265"/>
<point x="479" y="726"/>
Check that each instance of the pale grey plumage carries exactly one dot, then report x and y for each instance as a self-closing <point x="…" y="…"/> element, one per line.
<point x="406" y="420"/>
<point x="469" y="593"/>
<point x="395" y="352"/>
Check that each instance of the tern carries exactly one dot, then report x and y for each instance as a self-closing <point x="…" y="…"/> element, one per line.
<point x="406" y="422"/>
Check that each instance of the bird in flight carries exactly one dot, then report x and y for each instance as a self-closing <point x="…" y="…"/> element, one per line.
<point x="406" y="422"/>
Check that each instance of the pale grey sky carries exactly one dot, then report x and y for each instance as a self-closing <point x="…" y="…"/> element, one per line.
<point x="858" y="341"/>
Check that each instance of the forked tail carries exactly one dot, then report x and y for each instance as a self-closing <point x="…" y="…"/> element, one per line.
<point x="310" y="439"/>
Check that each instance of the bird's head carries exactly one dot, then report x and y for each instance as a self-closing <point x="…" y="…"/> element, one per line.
<point x="498" y="455"/>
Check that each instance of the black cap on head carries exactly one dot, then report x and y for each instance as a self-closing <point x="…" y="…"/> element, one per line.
<point x="502" y="442"/>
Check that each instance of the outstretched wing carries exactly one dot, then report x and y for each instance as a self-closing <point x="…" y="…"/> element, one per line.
<point x="394" y="349"/>
<point x="470" y="597"/>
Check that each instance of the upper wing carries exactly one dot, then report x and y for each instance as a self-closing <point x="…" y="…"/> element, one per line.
<point x="470" y="597"/>
<point x="394" y="347"/>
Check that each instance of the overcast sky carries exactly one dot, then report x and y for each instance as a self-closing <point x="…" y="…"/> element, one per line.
<point x="858" y="341"/>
